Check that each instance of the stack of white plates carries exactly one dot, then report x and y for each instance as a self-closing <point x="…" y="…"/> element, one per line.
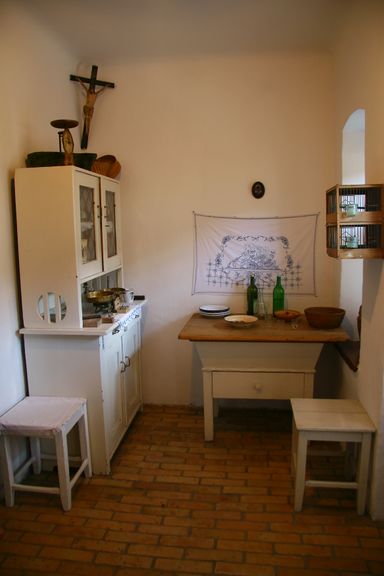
<point x="214" y="310"/>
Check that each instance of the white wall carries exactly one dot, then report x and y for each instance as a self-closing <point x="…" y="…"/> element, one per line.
<point x="193" y="135"/>
<point x="34" y="90"/>
<point x="360" y="84"/>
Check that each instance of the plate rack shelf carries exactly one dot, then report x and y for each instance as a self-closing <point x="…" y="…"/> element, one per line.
<point x="354" y="221"/>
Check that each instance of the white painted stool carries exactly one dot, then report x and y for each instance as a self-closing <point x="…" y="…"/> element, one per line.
<point x="37" y="417"/>
<point x="330" y="421"/>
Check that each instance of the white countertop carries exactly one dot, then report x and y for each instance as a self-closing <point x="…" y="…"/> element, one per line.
<point x="95" y="331"/>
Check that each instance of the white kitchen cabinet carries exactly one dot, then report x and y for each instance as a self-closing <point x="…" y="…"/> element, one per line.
<point x="122" y="376"/>
<point x="113" y="391"/>
<point x="102" y="365"/>
<point x="68" y="230"/>
<point x="131" y="372"/>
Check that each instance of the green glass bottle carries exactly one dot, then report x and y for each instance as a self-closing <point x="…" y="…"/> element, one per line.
<point x="278" y="296"/>
<point x="251" y="296"/>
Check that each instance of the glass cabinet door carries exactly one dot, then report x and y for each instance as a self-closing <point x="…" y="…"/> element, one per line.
<point x="90" y="256"/>
<point x="110" y="201"/>
<point x="88" y="224"/>
<point x="110" y="223"/>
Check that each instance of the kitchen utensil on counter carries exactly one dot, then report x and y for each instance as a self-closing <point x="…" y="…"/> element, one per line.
<point x="100" y="296"/>
<point x="124" y="297"/>
<point x="103" y="300"/>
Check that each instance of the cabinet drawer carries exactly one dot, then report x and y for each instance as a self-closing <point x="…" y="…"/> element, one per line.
<point x="271" y="385"/>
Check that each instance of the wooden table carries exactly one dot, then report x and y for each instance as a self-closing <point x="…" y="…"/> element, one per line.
<point x="270" y="360"/>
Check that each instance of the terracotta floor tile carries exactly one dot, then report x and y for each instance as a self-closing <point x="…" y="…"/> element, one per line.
<point x="175" y="505"/>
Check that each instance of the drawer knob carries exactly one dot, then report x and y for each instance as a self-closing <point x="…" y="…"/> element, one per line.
<point x="257" y="387"/>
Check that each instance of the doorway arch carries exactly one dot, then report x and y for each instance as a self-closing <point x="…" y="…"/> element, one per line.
<point x="353" y="172"/>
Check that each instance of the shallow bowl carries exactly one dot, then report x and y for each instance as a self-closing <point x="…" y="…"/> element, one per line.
<point x="287" y="315"/>
<point x="100" y="296"/>
<point x="241" y="320"/>
<point x="324" y="317"/>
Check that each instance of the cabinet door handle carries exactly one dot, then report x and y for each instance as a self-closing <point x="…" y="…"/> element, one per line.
<point x="127" y="361"/>
<point x="123" y="366"/>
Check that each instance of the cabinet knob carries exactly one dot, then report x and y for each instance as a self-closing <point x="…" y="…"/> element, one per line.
<point x="257" y="387"/>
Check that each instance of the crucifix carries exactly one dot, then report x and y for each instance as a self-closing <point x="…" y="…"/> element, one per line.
<point x="91" y="94"/>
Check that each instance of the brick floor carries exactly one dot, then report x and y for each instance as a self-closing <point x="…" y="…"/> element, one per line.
<point x="175" y="505"/>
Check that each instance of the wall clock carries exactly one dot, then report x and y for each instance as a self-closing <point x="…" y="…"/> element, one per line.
<point x="258" y="190"/>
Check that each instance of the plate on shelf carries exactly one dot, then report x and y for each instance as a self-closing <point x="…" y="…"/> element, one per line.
<point x="241" y="320"/>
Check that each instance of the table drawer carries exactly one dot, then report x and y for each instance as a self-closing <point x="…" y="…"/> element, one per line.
<point x="253" y="385"/>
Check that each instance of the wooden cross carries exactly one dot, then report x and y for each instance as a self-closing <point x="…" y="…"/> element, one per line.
<point x="91" y="95"/>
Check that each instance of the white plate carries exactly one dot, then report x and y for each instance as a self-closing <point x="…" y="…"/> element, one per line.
<point x="241" y="320"/>
<point x="213" y="308"/>
<point x="215" y="314"/>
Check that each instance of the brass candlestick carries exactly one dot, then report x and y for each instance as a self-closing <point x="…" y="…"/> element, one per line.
<point x="65" y="138"/>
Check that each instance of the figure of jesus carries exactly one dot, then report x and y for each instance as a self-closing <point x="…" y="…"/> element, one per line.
<point x="91" y="96"/>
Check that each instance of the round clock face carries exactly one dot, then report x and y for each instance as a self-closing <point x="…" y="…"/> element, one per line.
<point x="67" y="141"/>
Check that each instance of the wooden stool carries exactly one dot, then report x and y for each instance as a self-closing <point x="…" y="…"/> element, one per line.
<point x="330" y="421"/>
<point x="37" y="417"/>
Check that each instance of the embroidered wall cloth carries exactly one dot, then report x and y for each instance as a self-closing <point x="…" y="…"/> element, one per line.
<point x="228" y="250"/>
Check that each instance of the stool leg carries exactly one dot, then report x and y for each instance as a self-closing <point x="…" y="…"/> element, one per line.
<point x="350" y="461"/>
<point x="34" y="443"/>
<point x="8" y="477"/>
<point x="301" y="463"/>
<point x="63" y="469"/>
<point x="84" y="444"/>
<point x="363" y="471"/>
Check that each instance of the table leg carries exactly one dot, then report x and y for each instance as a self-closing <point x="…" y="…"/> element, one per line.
<point x="208" y="406"/>
<point x="7" y="466"/>
<point x="308" y="384"/>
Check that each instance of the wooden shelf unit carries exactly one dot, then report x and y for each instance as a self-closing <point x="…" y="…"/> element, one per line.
<point x="354" y="220"/>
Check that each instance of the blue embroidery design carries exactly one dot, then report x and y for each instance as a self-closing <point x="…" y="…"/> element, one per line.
<point x="263" y="256"/>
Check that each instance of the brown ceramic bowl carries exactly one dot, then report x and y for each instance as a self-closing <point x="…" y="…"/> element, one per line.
<point x="324" y="317"/>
